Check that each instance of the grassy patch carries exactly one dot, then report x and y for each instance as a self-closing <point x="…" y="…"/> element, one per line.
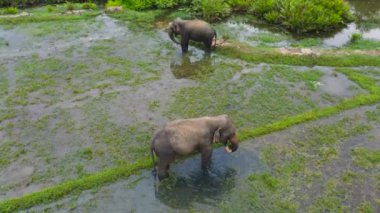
<point x="73" y="186"/>
<point x="295" y="177"/>
<point x="273" y="56"/>
<point x="256" y="94"/>
<point x="49" y="17"/>
<point x="308" y="42"/>
<point x="364" y="44"/>
<point x="138" y="20"/>
<point x="366" y="158"/>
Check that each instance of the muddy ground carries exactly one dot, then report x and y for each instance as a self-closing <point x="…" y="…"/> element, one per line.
<point x="78" y="97"/>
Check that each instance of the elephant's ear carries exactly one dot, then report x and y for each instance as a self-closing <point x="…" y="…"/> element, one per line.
<point x="176" y="27"/>
<point x="216" y="137"/>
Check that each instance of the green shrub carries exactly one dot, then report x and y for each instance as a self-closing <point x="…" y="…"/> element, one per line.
<point x="50" y="8"/>
<point x="10" y="10"/>
<point x="239" y="5"/>
<point x="261" y="7"/>
<point x="303" y="16"/>
<point x="165" y="3"/>
<point x="113" y="3"/>
<point x="355" y="37"/>
<point x="88" y="6"/>
<point x="138" y="4"/>
<point x="70" y="6"/>
<point x="212" y="9"/>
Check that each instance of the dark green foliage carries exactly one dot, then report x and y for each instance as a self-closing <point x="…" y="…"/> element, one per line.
<point x="30" y="3"/>
<point x="211" y="9"/>
<point x="303" y="16"/>
<point x="9" y="11"/>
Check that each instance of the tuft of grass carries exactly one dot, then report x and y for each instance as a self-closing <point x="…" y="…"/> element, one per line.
<point x="366" y="158"/>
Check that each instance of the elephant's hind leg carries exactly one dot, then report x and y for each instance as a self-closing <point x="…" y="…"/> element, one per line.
<point x="208" y="45"/>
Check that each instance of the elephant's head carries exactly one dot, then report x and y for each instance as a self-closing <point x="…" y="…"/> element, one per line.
<point x="225" y="133"/>
<point x="174" y="29"/>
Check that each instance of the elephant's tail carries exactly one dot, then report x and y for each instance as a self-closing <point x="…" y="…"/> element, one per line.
<point x="154" y="171"/>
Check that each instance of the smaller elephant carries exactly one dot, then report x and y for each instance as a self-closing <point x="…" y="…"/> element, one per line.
<point x="196" y="30"/>
<point x="181" y="137"/>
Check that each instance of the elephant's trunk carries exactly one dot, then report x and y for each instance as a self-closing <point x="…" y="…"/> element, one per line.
<point x="171" y="35"/>
<point x="234" y="144"/>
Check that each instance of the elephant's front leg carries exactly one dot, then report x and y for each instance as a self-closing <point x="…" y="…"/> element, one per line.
<point x="206" y="156"/>
<point x="184" y="44"/>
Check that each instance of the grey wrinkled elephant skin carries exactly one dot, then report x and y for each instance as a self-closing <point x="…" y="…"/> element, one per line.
<point x="184" y="136"/>
<point x="196" y="30"/>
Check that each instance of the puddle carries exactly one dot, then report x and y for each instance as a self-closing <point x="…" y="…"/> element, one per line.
<point x="337" y="84"/>
<point x="343" y="37"/>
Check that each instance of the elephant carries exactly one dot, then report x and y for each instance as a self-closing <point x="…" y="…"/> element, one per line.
<point x="196" y="30"/>
<point x="184" y="136"/>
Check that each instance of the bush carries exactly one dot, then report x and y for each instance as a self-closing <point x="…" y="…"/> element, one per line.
<point x="50" y="8"/>
<point x="138" y="4"/>
<point x="239" y="5"/>
<point x="165" y="3"/>
<point x="303" y="16"/>
<point x="211" y="9"/>
<point x="10" y="11"/>
<point x="70" y="6"/>
<point x="113" y="3"/>
<point x="355" y="37"/>
<point x="88" y="6"/>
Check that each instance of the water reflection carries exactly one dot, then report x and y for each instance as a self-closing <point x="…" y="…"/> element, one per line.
<point x="190" y="68"/>
<point x="189" y="186"/>
<point x="199" y="187"/>
<point x="365" y="8"/>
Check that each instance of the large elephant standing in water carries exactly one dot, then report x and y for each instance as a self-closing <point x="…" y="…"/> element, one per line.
<point x="196" y="30"/>
<point x="182" y="137"/>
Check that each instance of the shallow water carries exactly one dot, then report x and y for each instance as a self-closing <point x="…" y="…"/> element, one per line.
<point x="187" y="187"/>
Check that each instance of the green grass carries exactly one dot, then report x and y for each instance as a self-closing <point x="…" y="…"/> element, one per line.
<point x="366" y="158"/>
<point x="46" y="18"/>
<point x="308" y="42"/>
<point x="364" y="44"/>
<point x="272" y="56"/>
<point x="74" y="186"/>
<point x="272" y="87"/>
<point x="295" y="177"/>
<point x="281" y="106"/>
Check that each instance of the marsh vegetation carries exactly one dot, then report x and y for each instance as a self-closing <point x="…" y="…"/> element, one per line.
<point x="81" y="94"/>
